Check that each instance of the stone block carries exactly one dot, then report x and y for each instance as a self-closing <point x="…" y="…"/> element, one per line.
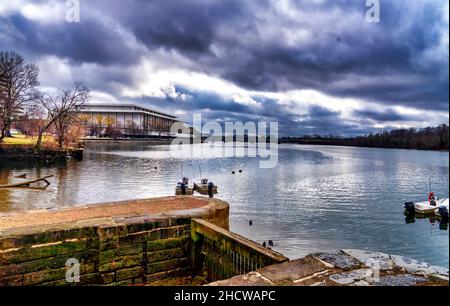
<point x="89" y="256"/>
<point x="124" y="274"/>
<point x="47" y="250"/>
<point x="47" y="235"/>
<point x="400" y="280"/>
<point x="107" y="278"/>
<point x="351" y="277"/>
<point x="174" y="232"/>
<point x="160" y="244"/>
<point x="134" y="238"/>
<point x="15" y="280"/>
<point x="375" y="260"/>
<point x="122" y="262"/>
<point x="165" y="255"/>
<point x="293" y="270"/>
<point x="48" y="275"/>
<point x="109" y="255"/>
<point x="339" y="260"/>
<point x="167" y="265"/>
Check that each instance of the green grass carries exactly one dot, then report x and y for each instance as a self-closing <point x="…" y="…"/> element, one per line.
<point x="21" y="140"/>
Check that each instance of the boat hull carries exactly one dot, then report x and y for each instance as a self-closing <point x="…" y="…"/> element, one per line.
<point x="424" y="208"/>
<point x="189" y="191"/>
<point x="203" y="188"/>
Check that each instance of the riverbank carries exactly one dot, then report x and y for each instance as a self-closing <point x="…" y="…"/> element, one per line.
<point x="324" y="142"/>
<point x="20" y="153"/>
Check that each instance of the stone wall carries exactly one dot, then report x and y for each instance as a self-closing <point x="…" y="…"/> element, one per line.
<point x="220" y="254"/>
<point x="111" y="250"/>
<point x="17" y="153"/>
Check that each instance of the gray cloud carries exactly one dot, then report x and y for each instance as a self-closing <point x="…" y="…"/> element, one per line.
<point x="386" y="115"/>
<point x="325" y="46"/>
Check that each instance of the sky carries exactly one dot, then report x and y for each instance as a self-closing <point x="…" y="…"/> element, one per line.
<point x="313" y="66"/>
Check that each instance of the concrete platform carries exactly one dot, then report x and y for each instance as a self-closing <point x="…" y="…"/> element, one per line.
<point x="185" y="205"/>
<point x="345" y="268"/>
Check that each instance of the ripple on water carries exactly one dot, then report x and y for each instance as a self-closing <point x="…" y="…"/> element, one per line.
<point x="317" y="198"/>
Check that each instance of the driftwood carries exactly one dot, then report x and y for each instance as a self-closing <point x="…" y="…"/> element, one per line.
<point x="28" y="183"/>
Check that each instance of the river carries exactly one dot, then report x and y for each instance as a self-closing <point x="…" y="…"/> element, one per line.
<point x="317" y="197"/>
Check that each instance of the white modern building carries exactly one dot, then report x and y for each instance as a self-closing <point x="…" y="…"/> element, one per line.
<point x="125" y="119"/>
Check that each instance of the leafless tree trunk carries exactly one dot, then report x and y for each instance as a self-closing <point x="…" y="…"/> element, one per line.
<point x="18" y="87"/>
<point x="61" y="109"/>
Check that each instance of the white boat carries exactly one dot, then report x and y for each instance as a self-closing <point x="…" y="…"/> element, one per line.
<point x="203" y="187"/>
<point x="427" y="207"/>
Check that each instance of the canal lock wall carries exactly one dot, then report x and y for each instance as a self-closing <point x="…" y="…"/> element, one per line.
<point x="125" y="250"/>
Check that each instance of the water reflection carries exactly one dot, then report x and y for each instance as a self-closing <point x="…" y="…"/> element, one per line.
<point x="317" y="198"/>
<point x="433" y="220"/>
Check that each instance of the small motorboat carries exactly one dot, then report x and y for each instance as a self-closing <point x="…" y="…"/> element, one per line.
<point x="205" y="187"/>
<point x="430" y="207"/>
<point x="183" y="187"/>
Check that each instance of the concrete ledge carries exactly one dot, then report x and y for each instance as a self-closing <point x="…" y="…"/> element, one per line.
<point x="344" y="268"/>
<point x="25" y="222"/>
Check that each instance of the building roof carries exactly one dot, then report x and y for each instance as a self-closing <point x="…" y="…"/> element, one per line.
<point x="123" y="108"/>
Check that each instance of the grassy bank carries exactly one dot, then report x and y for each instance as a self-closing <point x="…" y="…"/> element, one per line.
<point x="22" y="140"/>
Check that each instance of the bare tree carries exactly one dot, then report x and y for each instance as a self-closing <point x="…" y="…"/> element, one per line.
<point x="32" y="120"/>
<point x="18" y="87"/>
<point x="61" y="110"/>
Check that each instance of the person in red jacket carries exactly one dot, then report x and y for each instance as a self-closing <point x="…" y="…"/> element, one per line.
<point x="432" y="198"/>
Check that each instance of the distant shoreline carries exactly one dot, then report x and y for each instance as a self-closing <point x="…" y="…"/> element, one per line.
<point x="325" y="143"/>
<point x="283" y="140"/>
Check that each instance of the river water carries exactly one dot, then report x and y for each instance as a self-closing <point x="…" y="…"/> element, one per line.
<point x="317" y="198"/>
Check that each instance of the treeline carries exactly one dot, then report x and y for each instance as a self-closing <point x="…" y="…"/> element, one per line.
<point x="429" y="138"/>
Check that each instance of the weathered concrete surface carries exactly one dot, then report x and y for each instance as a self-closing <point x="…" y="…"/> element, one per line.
<point x="371" y="259"/>
<point x="339" y="260"/>
<point x="130" y="242"/>
<point x="344" y="268"/>
<point x="185" y="206"/>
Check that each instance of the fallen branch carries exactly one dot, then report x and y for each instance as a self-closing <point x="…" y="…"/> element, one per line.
<point x="28" y="183"/>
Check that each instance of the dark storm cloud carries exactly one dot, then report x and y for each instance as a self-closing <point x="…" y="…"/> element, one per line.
<point x="326" y="46"/>
<point x="89" y="41"/>
<point x="335" y="61"/>
<point x="386" y="115"/>
<point x="320" y="120"/>
<point x="188" y="26"/>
